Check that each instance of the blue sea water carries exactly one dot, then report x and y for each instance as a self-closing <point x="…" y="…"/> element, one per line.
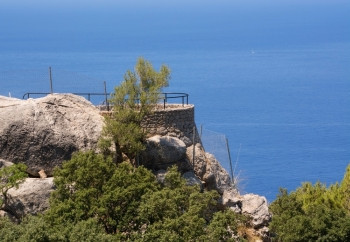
<point x="275" y="81"/>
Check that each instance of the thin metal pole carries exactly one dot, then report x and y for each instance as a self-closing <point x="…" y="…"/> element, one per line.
<point x="106" y="95"/>
<point x="229" y="157"/>
<point x="194" y="145"/>
<point x="165" y="99"/>
<point x="50" y="73"/>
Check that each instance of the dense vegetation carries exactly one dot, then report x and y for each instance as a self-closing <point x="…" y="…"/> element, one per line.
<point x="97" y="200"/>
<point x="313" y="213"/>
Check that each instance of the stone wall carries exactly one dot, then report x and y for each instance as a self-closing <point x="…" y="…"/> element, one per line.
<point x="175" y="120"/>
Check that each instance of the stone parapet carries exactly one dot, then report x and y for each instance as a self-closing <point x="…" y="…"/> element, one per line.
<point x="176" y="121"/>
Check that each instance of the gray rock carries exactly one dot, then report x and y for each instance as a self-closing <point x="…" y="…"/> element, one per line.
<point x="253" y="205"/>
<point x="216" y="177"/>
<point x="162" y="152"/>
<point x="4" y="163"/>
<point x="31" y="197"/>
<point x="256" y="206"/>
<point x="44" y="132"/>
<point x="200" y="160"/>
<point x="232" y="200"/>
<point x="192" y="179"/>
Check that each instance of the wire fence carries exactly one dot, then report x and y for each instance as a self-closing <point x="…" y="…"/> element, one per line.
<point x="218" y="145"/>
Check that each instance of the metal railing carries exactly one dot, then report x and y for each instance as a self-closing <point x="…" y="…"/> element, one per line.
<point x="164" y="97"/>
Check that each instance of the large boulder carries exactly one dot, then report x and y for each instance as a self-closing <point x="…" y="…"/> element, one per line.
<point x="164" y="151"/>
<point x="256" y="207"/>
<point x="253" y="205"/>
<point x="44" y="132"/>
<point x="31" y="197"/>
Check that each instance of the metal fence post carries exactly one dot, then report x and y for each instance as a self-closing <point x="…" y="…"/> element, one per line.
<point x="194" y="145"/>
<point x="107" y="104"/>
<point x="229" y="157"/>
<point x="50" y="74"/>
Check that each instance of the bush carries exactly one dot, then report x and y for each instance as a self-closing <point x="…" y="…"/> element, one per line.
<point x="312" y="213"/>
<point x="97" y="200"/>
<point x="11" y="176"/>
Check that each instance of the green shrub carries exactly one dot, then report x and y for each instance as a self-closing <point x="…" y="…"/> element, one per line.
<point x="312" y="213"/>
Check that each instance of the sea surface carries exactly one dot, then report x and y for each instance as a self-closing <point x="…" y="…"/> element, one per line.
<point x="275" y="83"/>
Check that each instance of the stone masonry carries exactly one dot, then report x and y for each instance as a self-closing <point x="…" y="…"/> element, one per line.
<point x="175" y="120"/>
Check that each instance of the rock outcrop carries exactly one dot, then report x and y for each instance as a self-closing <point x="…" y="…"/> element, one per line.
<point x="252" y="205"/>
<point x="208" y="169"/>
<point x="31" y="197"/>
<point x="164" y="151"/>
<point x="44" y="132"/>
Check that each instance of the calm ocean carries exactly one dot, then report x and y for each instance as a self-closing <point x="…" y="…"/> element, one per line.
<point x="276" y="85"/>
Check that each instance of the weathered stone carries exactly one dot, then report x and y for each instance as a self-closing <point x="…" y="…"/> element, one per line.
<point x="4" y="163"/>
<point x="232" y="200"/>
<point x="216" y="177"/>
<point x="192" y="179"/>
<point x="162" y="152"/>
<point x="199" y="159"/>
<point x="44" y="132"/>
<point x="177" y="120"/>
<point x="186" y="140"/>
<point x="162" y="131"/>
<point x="256" y="206"/>
<point x="253" y="205"/>
<point x="31" y="197"/>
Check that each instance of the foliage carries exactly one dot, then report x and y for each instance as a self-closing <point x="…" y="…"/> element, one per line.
<point x="312" y="213"/>
<point x="132" y="101"/>
<point x="92" y="186"/>
<point x="97" y="200"/>
<point x="11" y="176"/>
<point x="179" y="212"/>
<point x="224" y="225"/>
<point x="36" y="229"/>
<point x="345" y="189"/>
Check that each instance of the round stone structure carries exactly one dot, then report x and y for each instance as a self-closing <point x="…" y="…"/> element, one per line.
<point x="175" y="120"/>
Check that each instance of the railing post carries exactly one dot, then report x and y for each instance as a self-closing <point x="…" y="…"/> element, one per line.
<point x="193" y="145"/>
<point x="50" y="74"/>
<point x="107" y="104"/>
<point x="165" y="99"/>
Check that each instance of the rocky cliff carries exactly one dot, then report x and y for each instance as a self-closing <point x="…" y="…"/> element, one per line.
<point x="44" y="132"/>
